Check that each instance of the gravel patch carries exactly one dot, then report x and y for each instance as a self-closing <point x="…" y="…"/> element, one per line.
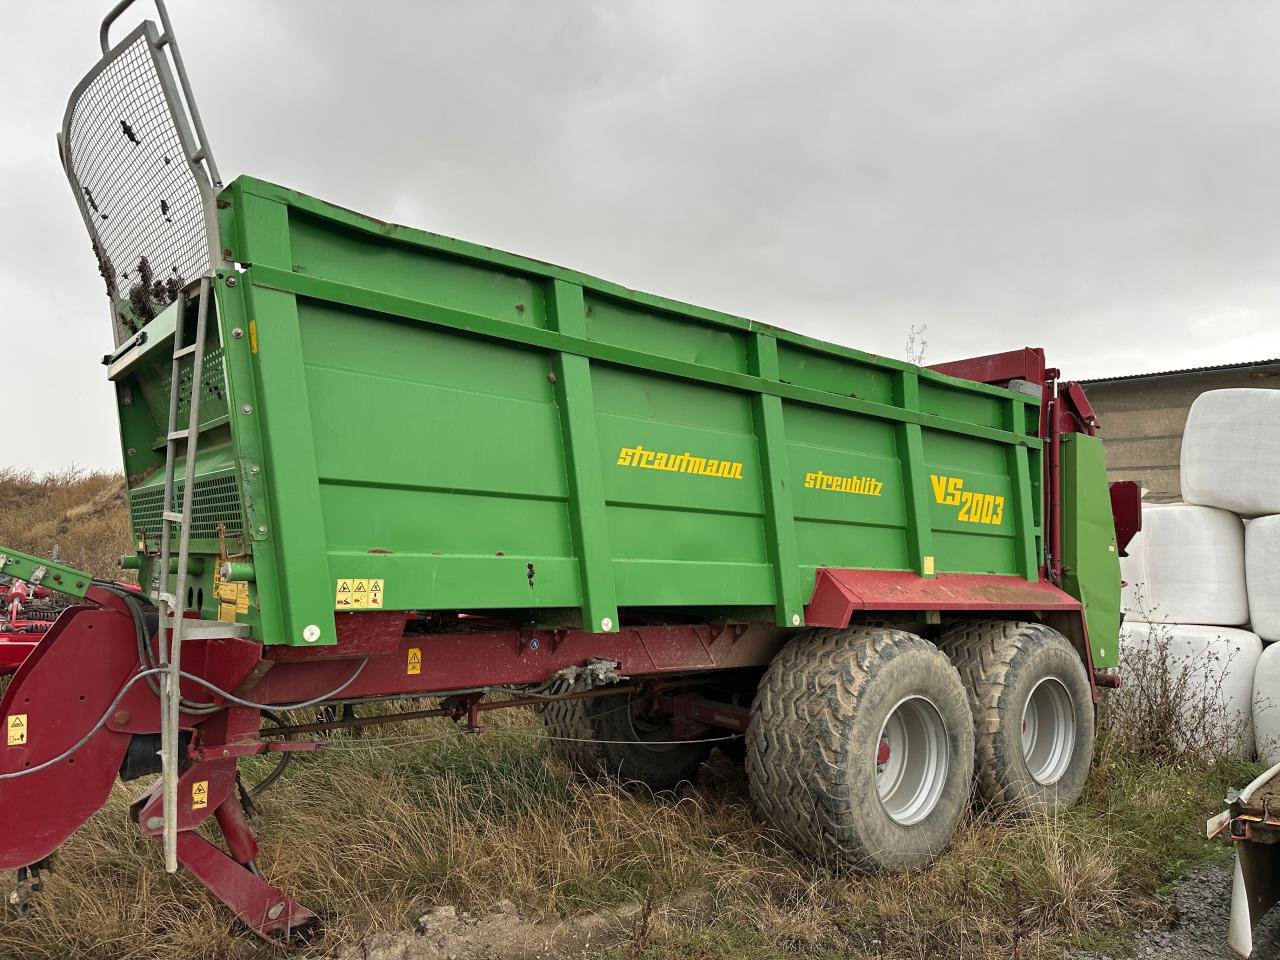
<point x="1199" y="908"/>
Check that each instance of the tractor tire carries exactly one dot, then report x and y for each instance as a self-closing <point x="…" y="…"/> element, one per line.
<point x="613" y="737"/>
<point x="1033" y="714"/>
<point x="860" y="748"/>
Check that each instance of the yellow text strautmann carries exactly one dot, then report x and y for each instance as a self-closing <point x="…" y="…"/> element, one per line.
<point x="686" y="462"/>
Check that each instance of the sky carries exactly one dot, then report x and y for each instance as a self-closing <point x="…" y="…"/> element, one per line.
<point x="1099" y="179"/>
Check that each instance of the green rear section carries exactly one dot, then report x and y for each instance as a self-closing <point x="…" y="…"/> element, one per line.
<point x="441" y="426"/>
<point x="1090" y="561"/>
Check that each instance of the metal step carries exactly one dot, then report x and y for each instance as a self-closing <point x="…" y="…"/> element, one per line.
<point x="206" y="629"/>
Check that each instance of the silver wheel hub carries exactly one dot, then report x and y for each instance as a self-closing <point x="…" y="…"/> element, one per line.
<point x="1048" y="731"/>
<point x="911" y="760"/>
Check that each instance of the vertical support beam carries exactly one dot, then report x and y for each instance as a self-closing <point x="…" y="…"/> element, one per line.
<point x="567" y="314"/>
<point x="238" y="357"/>
<point x="283" y="416"/>
<point x="915" y="478"/>
<point x="779" y="510"/>
<point x="1023" y="519"/>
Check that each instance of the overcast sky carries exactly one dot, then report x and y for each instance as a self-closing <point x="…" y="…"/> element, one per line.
<point x="1099" y="179"/>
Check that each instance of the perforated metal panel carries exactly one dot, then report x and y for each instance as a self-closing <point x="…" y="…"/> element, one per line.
<point x="142" y="189"/>
<point x="214" y="500"/>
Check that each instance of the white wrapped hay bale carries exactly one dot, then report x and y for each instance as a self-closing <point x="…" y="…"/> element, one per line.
<point x="1133" y="571"/>
<point x="1231" y="451"/>
<point x="1206" y="673"/>
<point x="1194" y="564"/>
<point x="1266" y="705"/>
<point x="1262" y="573"/>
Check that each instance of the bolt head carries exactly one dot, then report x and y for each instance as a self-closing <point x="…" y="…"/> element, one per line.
<point x="237" y="333"/>
<point x="231" y="281"/>
<point x="247" y="408"/>
<point x="262" y="528"/>
<point x="120" y="716"/>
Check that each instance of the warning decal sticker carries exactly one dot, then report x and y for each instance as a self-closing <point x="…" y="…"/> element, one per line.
<point x="354" y="593"/>
<point x="233" y="598"/>
<point x="414" y="666"/>
<point x="199" y="794"/>
<point x="17" y="729"/>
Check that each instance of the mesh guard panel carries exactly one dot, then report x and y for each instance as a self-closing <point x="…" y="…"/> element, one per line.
<point x="126" y="150"/>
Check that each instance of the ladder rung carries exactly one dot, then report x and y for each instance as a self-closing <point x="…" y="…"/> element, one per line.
<point x="173" y="517"/>
<point x="184" y="351"/>
<point x="179" y="434"/>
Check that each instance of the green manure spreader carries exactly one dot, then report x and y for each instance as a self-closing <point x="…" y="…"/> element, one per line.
<point x="367" y="462"/>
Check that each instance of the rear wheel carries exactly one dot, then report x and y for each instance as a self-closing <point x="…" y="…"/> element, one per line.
<point x="624" y="738"/>
<point x="1032" y="712"/>
<point x="861" y="747"/>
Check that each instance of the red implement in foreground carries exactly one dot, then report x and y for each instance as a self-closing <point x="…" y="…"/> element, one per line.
<point x="19" y="634"/>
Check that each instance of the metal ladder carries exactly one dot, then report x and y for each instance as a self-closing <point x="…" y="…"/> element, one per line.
<point x="173" y="605"/>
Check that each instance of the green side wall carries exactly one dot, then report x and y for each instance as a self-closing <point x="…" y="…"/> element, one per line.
<point x="1091" y="563"/>
<point x="471" y="428"/>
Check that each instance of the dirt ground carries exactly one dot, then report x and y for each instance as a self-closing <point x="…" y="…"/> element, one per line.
<point x="446" y="933"/>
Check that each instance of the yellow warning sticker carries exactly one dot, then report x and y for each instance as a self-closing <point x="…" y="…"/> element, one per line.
<point x="414" y="666"/>
<point x="358" y="593"/>
<point x="199" y="794"/>
<point x="928" y="566"/>
<point x="233" y="598"/>
<point x="17" y="728"/>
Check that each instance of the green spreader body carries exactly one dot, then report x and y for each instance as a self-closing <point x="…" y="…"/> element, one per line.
<point x="396" y="420"/>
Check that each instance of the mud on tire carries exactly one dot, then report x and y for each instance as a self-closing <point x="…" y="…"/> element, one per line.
<point x="614" y="737"/>
<point x="1033" y="712"/>
<point x="816" y="765"/>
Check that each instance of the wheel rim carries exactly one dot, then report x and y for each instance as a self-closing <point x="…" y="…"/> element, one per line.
<point x="911" y="760"/>
<point x="1048" y="731"/>
<point x="650" y="729"/>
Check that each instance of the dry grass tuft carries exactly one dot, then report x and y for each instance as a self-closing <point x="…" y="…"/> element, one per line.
<point x="82" y="514"/>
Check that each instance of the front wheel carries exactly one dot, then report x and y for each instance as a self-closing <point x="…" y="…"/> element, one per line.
<point x="861" y="747"/>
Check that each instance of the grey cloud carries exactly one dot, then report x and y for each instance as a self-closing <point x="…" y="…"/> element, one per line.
<point x="1095" y="178"/>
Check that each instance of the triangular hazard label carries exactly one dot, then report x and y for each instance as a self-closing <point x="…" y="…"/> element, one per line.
<point x="17" y="722"/>
<point x="360" y="586"/>
<point x="344" y="587"/>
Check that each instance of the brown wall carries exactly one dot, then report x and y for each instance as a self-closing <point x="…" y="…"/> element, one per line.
<point x="1142" y="419"/>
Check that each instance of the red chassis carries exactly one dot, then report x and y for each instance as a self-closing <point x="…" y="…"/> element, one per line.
<point x="79" y="703"/>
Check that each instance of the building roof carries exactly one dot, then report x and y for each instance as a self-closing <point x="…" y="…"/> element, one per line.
<point x="1190" y="371"/>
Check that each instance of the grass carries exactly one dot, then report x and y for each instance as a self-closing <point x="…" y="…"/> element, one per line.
<point x="79" y="515"/>
<point x="376" y="829"/>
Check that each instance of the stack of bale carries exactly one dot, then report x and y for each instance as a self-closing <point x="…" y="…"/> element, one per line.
<point x="1203" y="577"/>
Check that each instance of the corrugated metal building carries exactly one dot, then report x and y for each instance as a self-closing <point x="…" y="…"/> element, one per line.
<point x="1143" y="415"/>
